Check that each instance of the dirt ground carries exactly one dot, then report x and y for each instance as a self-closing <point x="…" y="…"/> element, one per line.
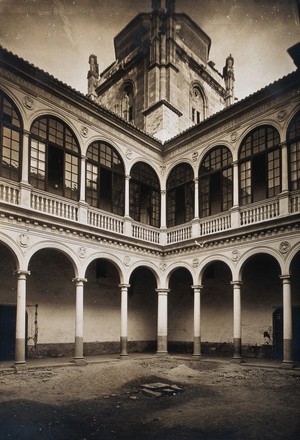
<point x="215" y="401"/>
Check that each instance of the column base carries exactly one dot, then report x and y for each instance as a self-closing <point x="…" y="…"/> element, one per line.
<point x="124" y="356"/>
<point x="287" y="365"/>
<point x="123" y="345"/>
<point x="237" y="360"/>
<point x="19" y="366"/>
<point x="80" y="362"/>
<point x="197" y="346"/>
<point x="162" y="353"/>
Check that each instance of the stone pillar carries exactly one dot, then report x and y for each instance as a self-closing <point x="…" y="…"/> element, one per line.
<point x="25" y="187"/>
<point x="287" y="321"/>
<point x="78" y="356"/>
<point x="21" y="318"/>
<point x="237" y="320"/>
<point x="162" y="321"/>
<point x="124" y="319"/>
<point x="82" y="205"/>
<point x="127" y="178"/>
<point x="235" y="210"/>
<point x="196" y="215"/>
<point x="163" y="209"/>
<point x="284" y="207"/>
<point x="197" y="320"/>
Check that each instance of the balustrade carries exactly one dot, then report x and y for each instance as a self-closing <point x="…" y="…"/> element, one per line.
<point x="256" y="213"/>
<point x="180" y="233"/>
<point x="215" y="224"/>
<point x="9" y="192"/>
<point x="105" y="221"/>
<point x="145" y="233"/>
<point x="54" y="206"/>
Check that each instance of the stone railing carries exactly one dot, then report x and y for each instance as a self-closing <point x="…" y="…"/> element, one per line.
<point x="179" y="233"/>
<point x="9" y="192"/>
<point x="215" y="224"/>
<point x="54" y="205"/>
<point x="260" y="211"/>
<point x="145" y="233"/>
<point x="105" y="220"/>
<point x="295" y="202"/>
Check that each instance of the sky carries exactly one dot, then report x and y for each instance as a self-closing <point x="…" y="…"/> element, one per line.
<point x="59" y="35"/>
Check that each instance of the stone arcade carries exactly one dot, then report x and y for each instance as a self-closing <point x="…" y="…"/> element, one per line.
<point x="156" y="213"/>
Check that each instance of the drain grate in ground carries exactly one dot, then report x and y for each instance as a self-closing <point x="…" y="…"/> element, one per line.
<point x="159" y="389"/>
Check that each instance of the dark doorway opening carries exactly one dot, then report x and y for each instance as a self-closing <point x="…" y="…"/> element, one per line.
<point x="7" y="332"/>
<point x="278" y="333"/>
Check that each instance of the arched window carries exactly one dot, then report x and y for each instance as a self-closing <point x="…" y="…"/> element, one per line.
<point x="196" y="105"/>
<point x="144" y="195"/>
<point x="215" y="182"/>
<point x="180" y="195"/>
<point x="54" y="158"/>
<point x="10" y="139"/>
<point x="128" y="102"/>
<point x="293" y="137"/>
<point x="105" y="179"/>
<point x="260" y="165"/>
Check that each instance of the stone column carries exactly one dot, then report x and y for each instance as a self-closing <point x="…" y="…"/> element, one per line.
<point x="78" y="356"/>
<point x="237" y="320"/>
<point x="21" y="318"/>
<point x="163" y="209"/>
<point x="162" y="321"/>
<point x="82" y="178"/>
<point x="284" y="207"/>
<point x="196" y="198"/>
<point x="124" y="319"/>
<point x="197" y="320"/>
<point x="126" y="208"/>
<point x="235" y="210"/>
<point x="25" y="187"/>
<point x="287" y="321"/>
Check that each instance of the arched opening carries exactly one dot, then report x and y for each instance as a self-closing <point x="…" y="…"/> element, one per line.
<point x="128" y="102"/>
<point x="181" y="312"/>
<point x="101" y="330"/>
<point x="295" y="285"/>
<point x="8" y="298"/>
<point x="215" y="182"/>
<point x="261" y="298"/>
<point x="54" y="158"/>
<point x="260" y="165"/>
<point x="217" y="310"/>
<point x="105" y="179"/>
<point x="10" y="139"/>
<point x="197" y="107"/>
<point x="51" y="304"/>
<point x="142" y="311"/>
<point x="144" y="195"/>
<point x="180" y="195"/>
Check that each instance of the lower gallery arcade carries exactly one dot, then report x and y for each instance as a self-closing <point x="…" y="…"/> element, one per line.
<point x="58" y="302"/>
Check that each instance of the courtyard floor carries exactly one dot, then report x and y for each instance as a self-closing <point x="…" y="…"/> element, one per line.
<point x="213" y="399"/>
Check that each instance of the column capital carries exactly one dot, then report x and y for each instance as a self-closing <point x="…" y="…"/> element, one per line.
<point x="127" y="176"/>
<point x="163" y="192"/>
<point x="235" y="163"/>
<point x="124" y="286"/>
<point x="26" y="133"/>
<point x="162" y="291"/>
<point x="79" y="280"/>
<point x="196" y="179"/>
<point x="285" y="278"/>
<point x="21" y="272"/>
<point x="197" y="286"/>
<point x="83" y="157"/>
<point x="236" y="283"/>
<point x="283" y="144"/>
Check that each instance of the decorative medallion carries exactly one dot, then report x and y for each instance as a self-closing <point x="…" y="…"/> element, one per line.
<point x="281" y="115"/>
<point x="234" y="255"/>
<point x="129" y="154"/>
<point x="28" y="102"/>
<point x="195" y="156"/>
<point x="84" y="130"/>
<point x="195" y="263"/>
<point x="284" y="247"/>
<point x="127" y="260"/>
<point x="82" y="252"/>
<point x="233" y="136"/>
<point x="23" y="240"/>
<point x="162" y="266"/>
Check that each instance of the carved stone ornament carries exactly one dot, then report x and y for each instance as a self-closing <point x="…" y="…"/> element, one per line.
<point x="284" y="247"/>
<point x="195" y="263"/>
<point x="129" y="154"/>
<point x="195" y="156"/>
<point x="23" y="240"/>
<point x="127" y="260"/>
<point x="234" y="255"/>
<point x="162" y="266"/>
<point x="162" y="170"/>
<point x="28" y="102"/>
<point x="84" y="130"/>
<point x="233" y="136"/>
<point x="82" y="252"/>
<point x="281" y="115"/>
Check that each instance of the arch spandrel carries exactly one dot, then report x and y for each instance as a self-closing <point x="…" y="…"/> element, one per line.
<point x="258" y="251"/>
